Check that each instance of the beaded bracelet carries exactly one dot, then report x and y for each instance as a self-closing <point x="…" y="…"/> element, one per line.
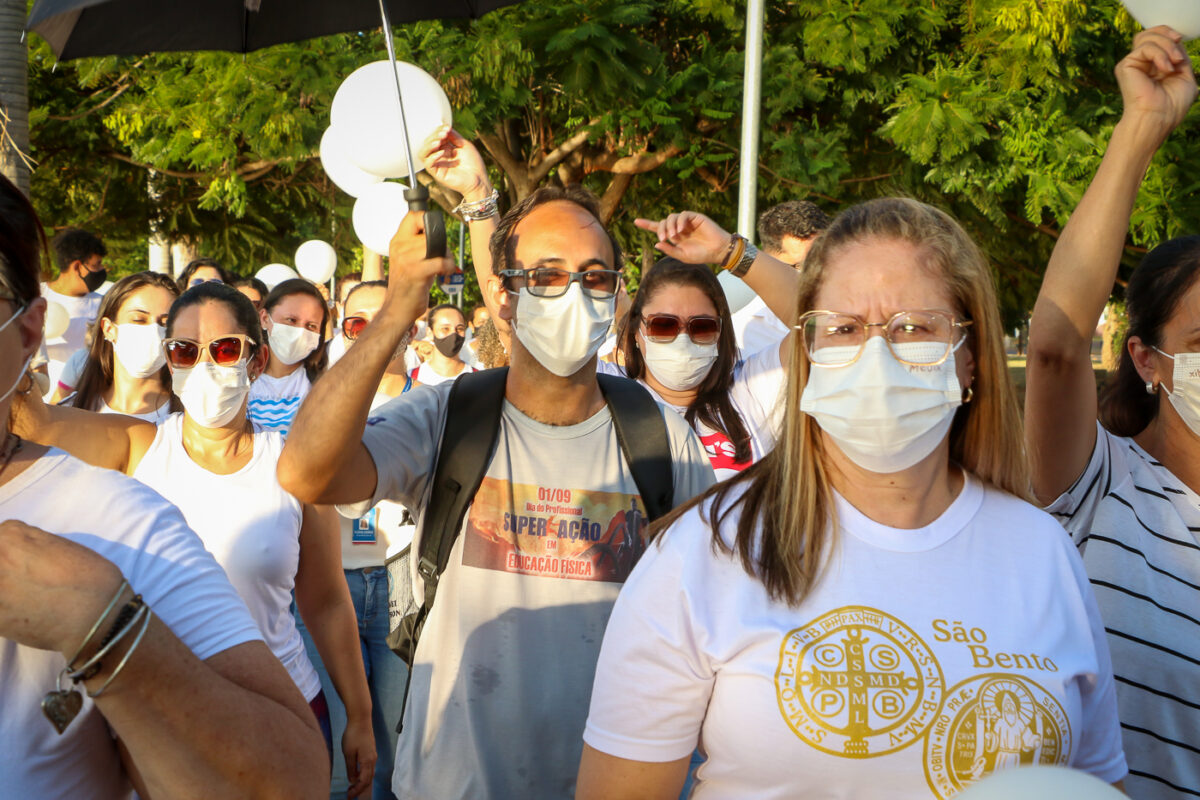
<point x="479" y="209"/>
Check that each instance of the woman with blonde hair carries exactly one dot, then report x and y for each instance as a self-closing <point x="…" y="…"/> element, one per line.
<point x="874" y="603"/>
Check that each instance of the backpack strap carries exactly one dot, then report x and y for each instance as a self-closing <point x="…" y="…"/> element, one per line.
<point x="468" y="440"/>
<point x="642" y="432"/>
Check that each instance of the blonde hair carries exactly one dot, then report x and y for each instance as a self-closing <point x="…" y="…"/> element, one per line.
<point x="787" y="506"/>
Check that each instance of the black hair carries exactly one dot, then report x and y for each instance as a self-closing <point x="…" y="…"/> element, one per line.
<point x="442" y="307"/>
<point x="76" y="244"/>
<point x="798" y="218"/>
<point x="197" y="263"/>
<point x="363" y="285"/>
<point x="252" y="283"/>
<point x="22" y="245"/>
<point x="1155" y="290"/>
<point x="243" y="310"/>
<point x="502" y="246"/>
<point x="97" y="373"/>
<point x="712" y="405"/>
<point x="316" y="361"/>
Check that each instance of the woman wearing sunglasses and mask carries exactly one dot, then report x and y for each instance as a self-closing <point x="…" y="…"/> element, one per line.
<point x="678" y="340"/>
<point x="1126" y="486"/>
<point x="294" y="315"/>
<point x="219" y="471"/>
<point x="126" y="369"/>
<point x="186" y="700"/>
<point x="874" y="603"/>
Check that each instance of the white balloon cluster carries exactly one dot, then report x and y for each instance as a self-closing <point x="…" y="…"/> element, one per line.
<point x="363" y="145"/>
<point x="1182" y="15"/>
<point x="316" y="261"/>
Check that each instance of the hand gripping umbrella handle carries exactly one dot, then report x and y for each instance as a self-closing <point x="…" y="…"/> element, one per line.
<point x="435" y="221"/>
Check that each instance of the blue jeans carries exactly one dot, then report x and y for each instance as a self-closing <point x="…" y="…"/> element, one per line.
<point x="387" y="675"/>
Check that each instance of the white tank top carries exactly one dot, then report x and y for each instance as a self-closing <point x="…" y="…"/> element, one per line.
<point x="249" y="524"/>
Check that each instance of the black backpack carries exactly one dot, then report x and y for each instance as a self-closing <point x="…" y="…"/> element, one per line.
<point x="468" y="442"/>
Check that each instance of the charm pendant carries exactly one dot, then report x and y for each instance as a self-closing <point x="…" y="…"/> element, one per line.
<point x="60" y="707"/>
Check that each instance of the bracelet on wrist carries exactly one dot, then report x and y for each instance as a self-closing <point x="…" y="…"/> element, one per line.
<point x="90" y="668"/>
<point x="737" y="246"/>
<point x="99" y="621"/>
<point x="749" y="253"/>
<point x="479" y="209"/>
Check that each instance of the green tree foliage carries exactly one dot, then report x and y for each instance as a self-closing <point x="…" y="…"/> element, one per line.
<point x="997" y="110"/>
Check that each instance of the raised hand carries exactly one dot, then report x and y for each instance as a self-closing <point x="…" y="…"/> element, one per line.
<point x="454" y="162"/>
<point x="1156" y="78"/>
<point x="690" y="237"/>
<point x="410" y="273"/>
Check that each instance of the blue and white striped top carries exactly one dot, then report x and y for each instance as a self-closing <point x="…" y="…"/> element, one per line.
<point x="274" y="402"/>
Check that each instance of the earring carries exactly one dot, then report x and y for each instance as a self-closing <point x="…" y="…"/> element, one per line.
<point x="968" y="394"/>
<point x="1151" y="388"/>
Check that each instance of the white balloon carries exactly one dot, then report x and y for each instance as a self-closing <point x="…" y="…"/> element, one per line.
<point x="377" y="215"/>
<point x="57" y="320"/>
<point x="366" y="113"/>
<point x="1182" y="15"/>
<point x="1040" y="783"/>
<point x="737" y="293"/>
<point x="274" y="274"/>
<point x="338" y="166"/>
<point x="316" y="260"/>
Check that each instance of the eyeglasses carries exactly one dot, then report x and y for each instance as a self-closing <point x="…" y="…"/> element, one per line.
<point x="917" y="338"/>
<point x="665" y="327"/>
<point x="553" y="282"/>
<point x="353" y="326"/>
<point x="198" y="281"/>
<point x="224" y="351"/>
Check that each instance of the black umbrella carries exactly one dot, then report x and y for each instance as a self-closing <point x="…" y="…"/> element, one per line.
<point x="78" y="28"/>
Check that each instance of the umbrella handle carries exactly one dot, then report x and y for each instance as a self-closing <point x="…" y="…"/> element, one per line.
<point x="434" y="221"/>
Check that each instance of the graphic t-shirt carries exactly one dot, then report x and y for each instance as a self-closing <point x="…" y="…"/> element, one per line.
<point x="1138" y="528"/>
<point x="249" y="524"/>
<point x="147" y="539"/>
<point x="755" y="394"/>
<point x="82" y="312"/>
<point x="503" y="671"/>
<point x="273" y="402"/>
<point x="922" y="661"/>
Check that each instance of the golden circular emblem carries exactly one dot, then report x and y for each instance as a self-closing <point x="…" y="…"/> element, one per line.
<point x="857" y="682"/>
<point x="992" y="722"/>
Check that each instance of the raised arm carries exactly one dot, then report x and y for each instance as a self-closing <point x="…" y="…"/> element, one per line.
<point x="455" y="163"/>
<point x="325" y="461"/>
<point x="112" y="441"/>
<point x="1157" y="89"/>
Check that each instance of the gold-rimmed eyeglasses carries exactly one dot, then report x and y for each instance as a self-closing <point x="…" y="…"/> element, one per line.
<point x="918" y="338"/>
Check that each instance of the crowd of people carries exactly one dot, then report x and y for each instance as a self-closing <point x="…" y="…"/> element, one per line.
<point x="578" y="542"/>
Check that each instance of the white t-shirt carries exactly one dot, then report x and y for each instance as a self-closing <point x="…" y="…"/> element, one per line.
<point x="756" y="327"/>
<point x="335" y="349"/>
<point x="82" y="311"/>
<point x="892" y="673"/>
<point x="249" y="524"/>
<point x="149" y="542"/>
<point x="273" y="402"/>
<point x="72" y="369"/>
<point x="425" y="375"/>
<point x="382" y="531"/>
<point x="503" y="670"/>
<point x="157" y="416"/>
<point x="755" y="394"/>
<point x="1138" y="528"/>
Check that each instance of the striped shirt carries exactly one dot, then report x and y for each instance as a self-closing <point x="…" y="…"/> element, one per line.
<point x="1136" y="525"/>
<point x="274" y="402"/>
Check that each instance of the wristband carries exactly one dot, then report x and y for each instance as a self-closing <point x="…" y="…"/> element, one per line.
<point x="479" y="209"/>
<point x="749" y="253"/>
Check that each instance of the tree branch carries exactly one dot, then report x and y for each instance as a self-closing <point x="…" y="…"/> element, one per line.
<point x="631" y="165"/>
<point x="560" y="153"/>
<point x="515" y="170"/>
<point x="247" y="172"/>
<point x="73" y="117"/>
<point x="613" y="195"/>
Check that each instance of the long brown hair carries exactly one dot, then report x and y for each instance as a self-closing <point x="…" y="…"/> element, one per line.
<point x="98" y="373"/>
<point x="712" y="404"/>
<point x="785" y="500"/>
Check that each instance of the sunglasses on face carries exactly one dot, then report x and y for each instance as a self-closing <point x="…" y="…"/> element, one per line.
<point x="664" y="328"/>
<point x="353" y="326"/>
<point x="224" y="351"/>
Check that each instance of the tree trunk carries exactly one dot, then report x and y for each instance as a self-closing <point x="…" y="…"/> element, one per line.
<point x="14" y="94"/>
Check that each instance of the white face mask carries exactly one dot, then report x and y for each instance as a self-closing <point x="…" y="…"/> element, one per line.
<point x="680" y="365"/>
<point x="884" y="415"/>
<point x="563" y="333"/>
<point x="139" y="348"/>
<point x="290" y="344"/>
<point x="1185" y="377"/>
<point x="211" y="394"/>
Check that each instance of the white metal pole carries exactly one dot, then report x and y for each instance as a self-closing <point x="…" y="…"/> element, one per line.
<point x="751" y="104"/>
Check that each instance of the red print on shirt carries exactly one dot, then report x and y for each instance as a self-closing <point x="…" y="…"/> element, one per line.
<point x="721" y="452"/>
